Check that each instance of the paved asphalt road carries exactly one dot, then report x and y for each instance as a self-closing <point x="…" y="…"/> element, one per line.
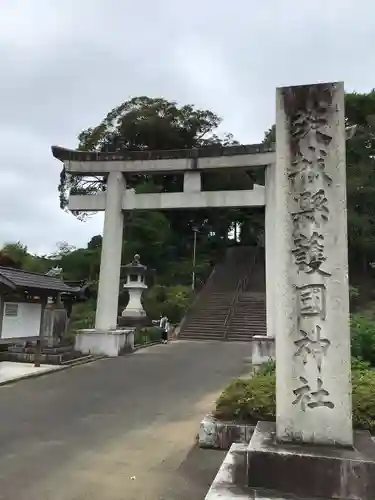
<point x="114" y="429"/>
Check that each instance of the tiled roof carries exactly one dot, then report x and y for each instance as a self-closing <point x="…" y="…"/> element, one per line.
<point x="25" y="279"/>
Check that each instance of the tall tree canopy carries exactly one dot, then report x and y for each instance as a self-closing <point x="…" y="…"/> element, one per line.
<point x="360" y="111"/>
<point x="144" y="123"/>
<point x="157" y="124"/>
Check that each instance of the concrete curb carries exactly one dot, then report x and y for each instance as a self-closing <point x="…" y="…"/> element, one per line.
<point x="220" y="435"/>
<point x="225" y="485"/>
<point x="142" y="346"/>
<point x="81" y="361"/>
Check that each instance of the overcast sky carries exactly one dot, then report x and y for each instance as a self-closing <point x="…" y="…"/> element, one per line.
<point x="66" y="63"/>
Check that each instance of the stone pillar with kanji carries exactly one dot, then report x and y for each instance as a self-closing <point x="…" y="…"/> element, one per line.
<point x="311" y="270"/>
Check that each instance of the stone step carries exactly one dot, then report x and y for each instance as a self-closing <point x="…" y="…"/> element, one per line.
<point x="255" y="331"/>
<point x="247" y="322"/>
<point x="242" y="326"/>
<point x="204" y="331"/>
<point x="248" y="319"/>
<point x="214" y="309"/>
<point x="249" y="311"/>
<point x="205" y="321"/>
<point x="248" y="333"/>
<point x="201" y="336"/>
<point x="249" y="307"/>
<point x="220" y="310"/>
<point x="213" y="313"/>
<point x="233" y="338"/>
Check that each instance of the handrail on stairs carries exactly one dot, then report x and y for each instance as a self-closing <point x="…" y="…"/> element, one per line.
<point x="242" y="284"/>
<point x="197" y="298"/>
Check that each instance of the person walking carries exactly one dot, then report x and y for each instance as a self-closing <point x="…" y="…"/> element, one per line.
<point x="164" y="325"/>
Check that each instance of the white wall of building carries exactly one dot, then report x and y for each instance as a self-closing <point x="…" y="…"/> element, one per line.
<point x="21" y="320"/>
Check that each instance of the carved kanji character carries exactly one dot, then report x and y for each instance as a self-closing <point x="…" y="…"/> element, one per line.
<point x="311" y="137"/>
<point x="302" y="394"/>
<point x="309" y="253"/>
<point x="319" y="203"/>
<point x="314" y="345"/>
<point x="318" y="397"/>
<point x="311" y="300"/>
<point x="311" y="399"/>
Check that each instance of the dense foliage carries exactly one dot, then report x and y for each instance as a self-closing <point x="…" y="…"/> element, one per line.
<point x="145" y="336"/>
<point x="363" y="338"/>
<point x="254" y="399"/>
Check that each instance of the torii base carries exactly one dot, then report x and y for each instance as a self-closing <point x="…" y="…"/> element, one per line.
<point x="110" y="343"/>
<point x="134" y="321"/>
<point x="311" y="471"/>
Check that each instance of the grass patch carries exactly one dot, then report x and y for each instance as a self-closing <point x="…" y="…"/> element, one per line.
<point x="254" y="399"/>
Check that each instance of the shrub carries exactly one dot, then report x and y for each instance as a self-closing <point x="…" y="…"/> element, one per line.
<point x="363" y="338"/>
<point x="363" y="399"/>
<point x="251" y="400"/>
<point x="353" y="292"/>
<point x="147" y="335"/>
<point x="254" y="399"/>
<point x="267" y="368"/>
<point x="359" y="365"/>
<point x="83" y="316"/>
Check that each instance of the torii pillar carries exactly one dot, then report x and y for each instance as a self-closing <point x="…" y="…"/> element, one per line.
<point x="106" y="338"/>
<point x="110" y="262"/>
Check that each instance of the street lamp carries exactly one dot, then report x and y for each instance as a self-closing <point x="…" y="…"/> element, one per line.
<point x="195" y="230"/>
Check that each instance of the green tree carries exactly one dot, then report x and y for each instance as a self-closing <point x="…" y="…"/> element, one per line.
<point x="360" y="111"/>
<point x="16" y="253"/>
<point x="95" y="242"/>
<point x="138" y="124"/>
<point x="63" y="249"/>
<point x="157" y="124"/>
<point x="270" y="136"/>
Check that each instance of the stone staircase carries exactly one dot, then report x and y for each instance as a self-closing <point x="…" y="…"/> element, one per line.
<point x="231" y="305"/>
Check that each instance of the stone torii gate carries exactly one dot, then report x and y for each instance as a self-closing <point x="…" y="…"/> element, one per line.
<point x="189" y="163"/>
<point x="306" y="279"/>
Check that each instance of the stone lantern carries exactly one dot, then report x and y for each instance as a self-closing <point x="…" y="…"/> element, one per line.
<point x="134" y="314"/>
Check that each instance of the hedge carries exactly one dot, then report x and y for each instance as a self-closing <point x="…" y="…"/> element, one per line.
<point x="254" y="399"/>
<point x="148" y="334"/>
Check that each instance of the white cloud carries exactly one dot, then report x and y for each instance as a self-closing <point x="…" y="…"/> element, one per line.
<point x="64" y="65"/>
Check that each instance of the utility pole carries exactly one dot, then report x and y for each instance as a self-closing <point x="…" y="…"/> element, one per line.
<point x="195" y="230"/>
